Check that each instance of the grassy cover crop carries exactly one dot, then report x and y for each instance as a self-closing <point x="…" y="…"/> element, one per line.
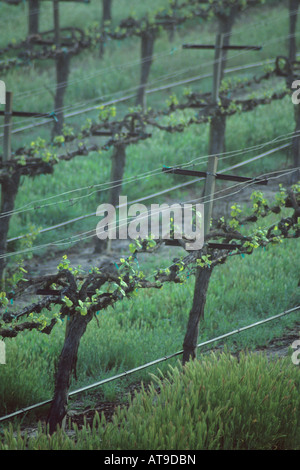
<point x="153" y="324"/>
<point x="217" y="403"/>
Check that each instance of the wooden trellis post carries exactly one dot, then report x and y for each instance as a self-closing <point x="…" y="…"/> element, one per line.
<point x="33" y="17"/>
<point x="56" y="22"/>
<point x="106" y="17"/>
<point x="216" y="123"/>
<point x="62" y="60"/>
<point x="34" y="13"/>
<point x="293" y="15"/>
<point x="213" y="159"/>
<point x="7" y="126"/>
<point x="294" y="177"/>
<point x="7" y="135"/>
<point x="202" y="276"/>
<point x="5" y="205"/>
<point x="118" y="161"/>
<point x="174" y="5"/>
<point x="147" y="46"/>
<point x="10" y="185"/>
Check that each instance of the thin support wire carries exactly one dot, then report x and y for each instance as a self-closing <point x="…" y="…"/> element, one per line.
<point x="149" y="364"/>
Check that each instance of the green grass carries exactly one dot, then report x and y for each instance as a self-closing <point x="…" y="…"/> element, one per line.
<point x="105" y="78"/>
<point x="219" y="403"/>
<point x="253" y="129"/>
<point x="153" y="324"/>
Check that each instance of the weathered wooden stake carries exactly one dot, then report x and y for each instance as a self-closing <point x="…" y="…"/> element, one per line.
<point x="33" y="17"/>
<point x="293" y="14"/>
<point x="7" y="126"/>
<point x="118" y="160"/>
<point x="62" y="63"/>
<point x="173" y="27"/>
<point x="294" y="177"/>
<point x="56" y="22"/>
<point x="147" y="46"/>
<point x="10" y="185"/>
<point x="106" y="16"/>
<point x="216" y="146"/>
<point x="215" y="140"/>
<point x="203" y="275"/>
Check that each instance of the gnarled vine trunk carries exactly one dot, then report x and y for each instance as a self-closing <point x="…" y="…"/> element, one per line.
<point x="196" y="314"/>
<point x="67" y="363"/>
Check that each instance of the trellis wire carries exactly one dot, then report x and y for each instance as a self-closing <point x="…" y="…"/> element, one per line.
<point x="165" y="77"/>
<point x="128" y="64"/>
<point x="112" y="184"/>
<point x="76" y="219"/>
<point x="149" y="91"/>
<point x="92" y="233"/>
<point x="149" y="364"/>
<point x="294" y="12"/>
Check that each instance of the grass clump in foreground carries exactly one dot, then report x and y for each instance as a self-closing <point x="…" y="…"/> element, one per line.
<point x="217" y="402"/>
